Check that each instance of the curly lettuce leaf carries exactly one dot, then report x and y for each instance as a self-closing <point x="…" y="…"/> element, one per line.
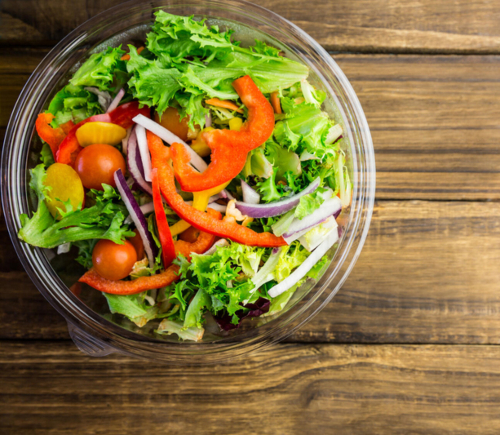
<point x="101" y="221"/>
<point x="308" y="204"/>
<point x="73" y="103"/>
<point x="99" y="69"/>
<point x="133" y="307"/>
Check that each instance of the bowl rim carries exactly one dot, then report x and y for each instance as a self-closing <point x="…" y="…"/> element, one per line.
<point x="114" y="336"/>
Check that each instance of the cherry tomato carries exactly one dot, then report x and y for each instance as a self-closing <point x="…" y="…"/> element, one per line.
<point x="113" y="261"/>
<point x="171" y="121"/>
<point x="190" y="235"/>
<point x="96" y="164"/>
<point x="138" y="245"/>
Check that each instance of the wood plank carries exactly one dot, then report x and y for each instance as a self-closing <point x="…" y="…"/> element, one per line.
<point x="434" y="120"/>
<point x="465" y="26"/>
<point x="427" y="274"/>
<point x="292" y="389"/>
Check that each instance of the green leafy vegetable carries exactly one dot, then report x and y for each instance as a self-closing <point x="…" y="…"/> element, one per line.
<point x="101" y="221"/>
<point x="46" y="155"/>
<point x="308" y="204"/>
<point x="99" y="70"/>
<point x="73" y="103"/>
<point x="187" y="61"/>
<point x="133" y="307"/>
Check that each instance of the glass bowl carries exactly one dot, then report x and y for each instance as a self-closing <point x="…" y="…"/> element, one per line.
<point x="92" y="328"/>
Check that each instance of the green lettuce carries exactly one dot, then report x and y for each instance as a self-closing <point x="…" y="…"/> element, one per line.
<point x="73" y="103"/>
<point x="104" y="220"/>
<point x="99" y="70"/>
<point x="187" y="61"/>
<point x="308" y="204"/>
<point x="133" y="307"/>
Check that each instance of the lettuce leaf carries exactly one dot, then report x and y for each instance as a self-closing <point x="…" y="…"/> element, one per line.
<point x="99" y="70"/>
<point x="187" y="61"/>
<point x="104" y="220"/>
<point x="133" y="307"/>
<point x="309" y="203"/>
<point x="73" y="103"/>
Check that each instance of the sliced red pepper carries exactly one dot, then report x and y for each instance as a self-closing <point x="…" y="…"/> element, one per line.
<point x="53" y="136"/>
<point x="203" y="242"/>
<point x="160" y="157"/>
<point x="67" y="126"/>
<point x="142" y="284"/>
<point x="166" y="240"/>
<point x="122" y="116"/>
<point x="229" y="147"/>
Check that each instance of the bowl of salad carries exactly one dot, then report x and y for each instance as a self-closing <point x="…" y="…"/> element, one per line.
<point x="187" y="182"/>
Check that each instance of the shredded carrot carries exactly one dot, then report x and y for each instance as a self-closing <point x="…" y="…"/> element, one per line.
<point x="275" y="101"/>
<point x="127" y="56"/>
<point x="224" y="104"/>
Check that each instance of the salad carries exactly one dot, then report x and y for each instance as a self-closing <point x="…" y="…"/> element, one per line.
<point x="193" y="178"/>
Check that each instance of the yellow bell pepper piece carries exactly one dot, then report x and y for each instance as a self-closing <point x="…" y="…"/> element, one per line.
<point x="199" y="146"/>
<point x="100" y="132"/>
<point x="235" y="124"/>
<point x="200" y="202"/>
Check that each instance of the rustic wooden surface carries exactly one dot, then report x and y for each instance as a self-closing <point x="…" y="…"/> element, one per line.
<point x="410" y="343"/>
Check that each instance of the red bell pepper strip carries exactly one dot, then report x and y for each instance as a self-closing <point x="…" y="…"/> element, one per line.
<point x="142" y="284"/>
<point x="67" y="126"/>
<point x="203" y="242"/>
<point x="160" y="157"/>
<point x="122" y="116"/>
<point x="166" y="240"/>
<point x="229" y="147"/>
<point x="53" y="136"/>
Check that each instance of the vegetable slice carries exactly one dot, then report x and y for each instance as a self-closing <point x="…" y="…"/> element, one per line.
<point x="224" y="104"/>
<point x="229" y="147"/>
<point x="116" y="100"/>
<point x="250" y="196"/>
<point x="53" y="136"/>
<point x="170" y="138"/>
<point x="144" y="283"/>
<point x="302" y="270"/>
<point x="278" y="207"/>
<point x="142" y="144"/>
<point x="160" y="159"/>
<point x="166" y="240"/>
<point x="134" y="163"/>
<point x="137" y="216"/>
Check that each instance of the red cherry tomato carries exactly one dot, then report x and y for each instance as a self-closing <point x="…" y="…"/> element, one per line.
<point x="113" y="261"/>
<point x="96" y="164"/>
<point x="138" y="245"/>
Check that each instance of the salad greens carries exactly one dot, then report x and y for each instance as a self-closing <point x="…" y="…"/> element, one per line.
<point x="183" y="63"/>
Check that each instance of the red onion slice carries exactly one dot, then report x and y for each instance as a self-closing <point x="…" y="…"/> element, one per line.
<point x="197" y="162"/>
<point x="116" y="100"/>
<point x="146" y="209"/>
<point x="250" y="196"/>
<point x="278" y="207"/>
<point x="137" y="216"/>
<point x="134" y="164"/>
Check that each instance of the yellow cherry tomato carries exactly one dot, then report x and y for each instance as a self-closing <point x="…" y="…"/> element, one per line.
<point x="100" y="132"/>
<point x="235" y="124"/>
<point x="65" y="184"/>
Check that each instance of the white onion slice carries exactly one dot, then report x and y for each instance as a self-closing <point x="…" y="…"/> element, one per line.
<point x="133" y="161"/>
<point x="142" y="143"/>
<point x="305" y="267"/>
<point x="125" y="141"/>
<point x="333" y="134"/>
<point x="301" y="226"/>
<point x="116" y="100"/>
<point x="170" y="138"/>
<point x="250" y="196"/>
<point x="64" y="248"/>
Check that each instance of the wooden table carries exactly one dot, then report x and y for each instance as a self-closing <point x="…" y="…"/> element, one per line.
<point x="410" y="343"/>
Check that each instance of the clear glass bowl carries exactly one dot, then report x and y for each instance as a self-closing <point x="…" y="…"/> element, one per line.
<point x="92" y="328"/>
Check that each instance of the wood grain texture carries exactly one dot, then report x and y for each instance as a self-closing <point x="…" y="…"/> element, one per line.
<point x="427" y="274"/>
<point x="290" y="389"/>
<point x="434" y="119"/>
<point x="455" y="26"/>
